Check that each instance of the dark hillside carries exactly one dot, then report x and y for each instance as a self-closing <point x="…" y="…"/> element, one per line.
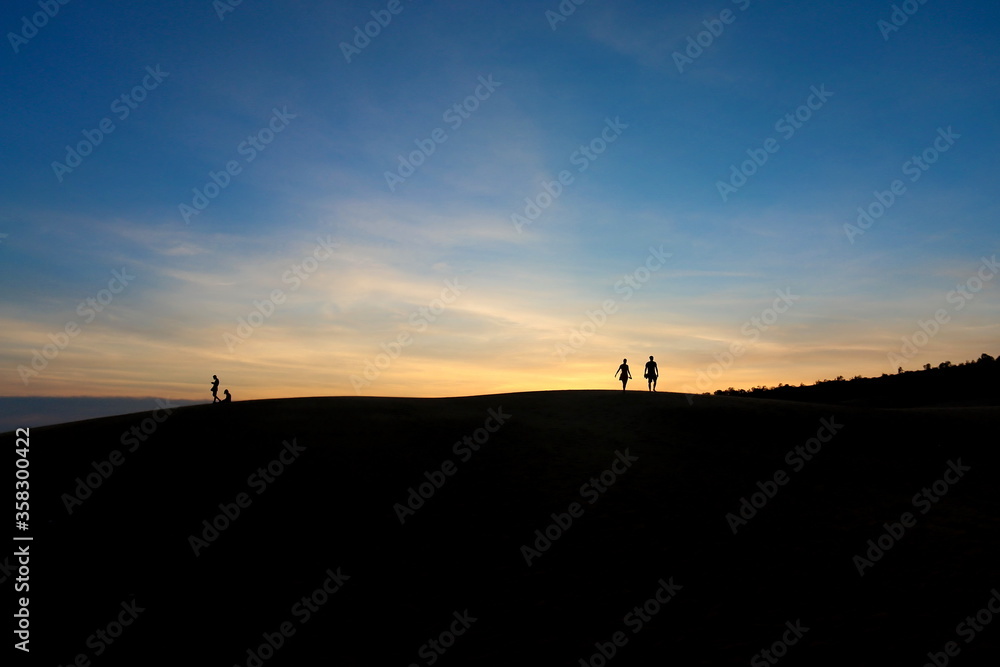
<point x="965" y="384"/>
<point x="672" y="472"/>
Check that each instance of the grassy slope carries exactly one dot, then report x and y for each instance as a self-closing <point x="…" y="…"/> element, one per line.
<point x="665" y="517"/>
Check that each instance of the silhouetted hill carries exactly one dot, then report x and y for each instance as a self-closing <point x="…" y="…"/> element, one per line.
<point x="650" y="478"/>
<point x="969" y="383"/>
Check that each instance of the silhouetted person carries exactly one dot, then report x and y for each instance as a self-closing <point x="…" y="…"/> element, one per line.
<point x="652" y="372"/>
<point x="215" y="389"/>
<point x="228" y="398"/>
<point x="626" y="376"/>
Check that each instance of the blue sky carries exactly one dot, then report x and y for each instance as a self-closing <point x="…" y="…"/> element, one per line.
<point x="308" y="271"/>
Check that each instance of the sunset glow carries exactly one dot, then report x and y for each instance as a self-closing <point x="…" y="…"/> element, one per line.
<point x="497" y="197"/>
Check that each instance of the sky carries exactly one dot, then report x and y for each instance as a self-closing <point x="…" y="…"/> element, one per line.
<point x="415" y="198"/>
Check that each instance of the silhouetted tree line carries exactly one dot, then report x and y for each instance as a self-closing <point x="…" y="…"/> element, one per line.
<point x="971" y="381"/>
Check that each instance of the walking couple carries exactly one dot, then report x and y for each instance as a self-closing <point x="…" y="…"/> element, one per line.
<point x="651" y="373"/>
